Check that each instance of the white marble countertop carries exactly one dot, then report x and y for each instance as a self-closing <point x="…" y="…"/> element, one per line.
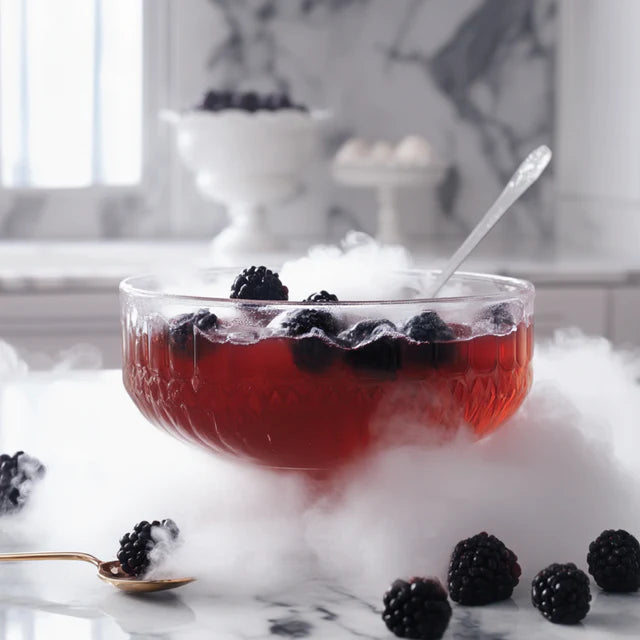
<point x="313" y="611"/>
<point x="81" y="606"/>
<point x="95" y="266"/>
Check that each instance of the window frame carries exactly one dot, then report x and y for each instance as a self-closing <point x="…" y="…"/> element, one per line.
<point x="78" y="211"/>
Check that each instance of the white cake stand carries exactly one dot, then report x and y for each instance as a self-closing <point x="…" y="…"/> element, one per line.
<point x="246" y="161"/>
<point x="386" y="179"/>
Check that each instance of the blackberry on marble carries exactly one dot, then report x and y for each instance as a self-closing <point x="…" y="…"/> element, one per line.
<point x="482" y="570"/>
<point x="561" y="593"/>
<point x="136" y="546"/>
<point x="614" y="561"/>
<point x="372" y="346"/>
<point x="417" y="609"/>
<point x="17" y="476"/>
<point x="258" y="283"/>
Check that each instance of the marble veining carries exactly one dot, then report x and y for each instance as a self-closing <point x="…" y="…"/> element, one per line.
<point x="311" y="605"/>
<point x="476" y="78"/>
<point x="309" y="610"/>
<point x="478" y="55"/>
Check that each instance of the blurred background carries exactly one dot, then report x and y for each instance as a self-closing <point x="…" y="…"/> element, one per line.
<point x="93" y="186"/>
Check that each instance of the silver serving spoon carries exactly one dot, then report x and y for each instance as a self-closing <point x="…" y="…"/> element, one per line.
<point x="110" y="572"/>
<point x="526" y="174"/>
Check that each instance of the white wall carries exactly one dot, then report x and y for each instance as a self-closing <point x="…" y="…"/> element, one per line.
<point x="598" y="126"/>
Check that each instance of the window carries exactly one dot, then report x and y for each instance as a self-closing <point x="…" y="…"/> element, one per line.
<point x="70" y="92"/>
<point x="80" y="82"/>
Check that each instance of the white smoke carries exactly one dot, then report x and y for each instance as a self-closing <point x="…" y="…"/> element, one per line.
<point x="358" y="269"/>
<point x="547" y="482"/>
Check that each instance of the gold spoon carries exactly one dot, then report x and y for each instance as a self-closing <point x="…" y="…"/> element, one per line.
<point x="110" y="572"/>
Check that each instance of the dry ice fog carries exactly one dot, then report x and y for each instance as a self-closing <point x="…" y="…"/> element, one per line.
<point x="547" y="482"/>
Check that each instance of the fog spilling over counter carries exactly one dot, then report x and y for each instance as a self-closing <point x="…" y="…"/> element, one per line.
<point x="273" y="558"/>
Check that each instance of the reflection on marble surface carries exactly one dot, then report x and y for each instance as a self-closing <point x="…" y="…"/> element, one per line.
<point x="34" y="606"/>
<point x="315" y="610"/>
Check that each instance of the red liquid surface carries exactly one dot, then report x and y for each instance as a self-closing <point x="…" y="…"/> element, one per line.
<point x="254" y="402"/>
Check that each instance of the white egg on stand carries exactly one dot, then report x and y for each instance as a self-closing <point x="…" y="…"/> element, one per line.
<point x="387" y="168"/>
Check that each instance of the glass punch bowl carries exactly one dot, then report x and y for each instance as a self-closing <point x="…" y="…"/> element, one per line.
<point x="248" y="379"/>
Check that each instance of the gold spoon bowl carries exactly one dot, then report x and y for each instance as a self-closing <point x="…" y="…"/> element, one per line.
<point x="110" y="572"/>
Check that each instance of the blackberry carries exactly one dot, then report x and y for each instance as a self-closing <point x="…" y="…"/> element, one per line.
<point x="313" y="330"/>
<point x="210" y="102"/>
<point x="181" y="327"/>
<point x="258" y="283"/>
<point x="561" y="593"/>
<point x="428" y="327"/>
<point x="322" y="296"/>
<point x="276" y="101"/>
<point x="17" y="475"/>
<point x="216" y="101"/>
<point x="247" y="101"/>
<point x="500" y="316"/>
<point x="482" y="570"/>
<point x="370" y="346"/>
<point x="136" y="546"/>
<point x="365" y="330"/>
<point x="205" y="320"/>
<point x="614" y="561"/>
<point x="304" y="321"/>
<point x="416" y="609"/>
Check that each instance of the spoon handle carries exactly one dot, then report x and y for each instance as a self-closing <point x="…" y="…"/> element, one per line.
<point x="526" y="174"/>
<point x="60" y="555"/>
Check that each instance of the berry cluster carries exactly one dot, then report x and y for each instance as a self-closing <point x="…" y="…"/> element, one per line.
<point x="247" y="101"/>
<point x="483" y="570"/>
<point x="320" y="337"/>
<point x="258" y="283"/>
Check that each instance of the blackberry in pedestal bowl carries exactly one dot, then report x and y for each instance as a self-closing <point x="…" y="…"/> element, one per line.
<point x="247" y="367"/>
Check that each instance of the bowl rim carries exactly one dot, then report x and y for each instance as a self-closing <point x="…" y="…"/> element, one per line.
<point x="520" y="289"/>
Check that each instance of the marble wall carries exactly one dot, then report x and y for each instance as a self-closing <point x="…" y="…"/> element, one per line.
<point x="476" y="77"/>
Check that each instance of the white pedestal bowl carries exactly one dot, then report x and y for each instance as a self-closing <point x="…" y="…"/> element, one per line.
<point x="246" y="161"/>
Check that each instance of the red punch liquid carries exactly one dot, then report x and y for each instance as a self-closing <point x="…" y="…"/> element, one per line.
<point x="255" y="401"/>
